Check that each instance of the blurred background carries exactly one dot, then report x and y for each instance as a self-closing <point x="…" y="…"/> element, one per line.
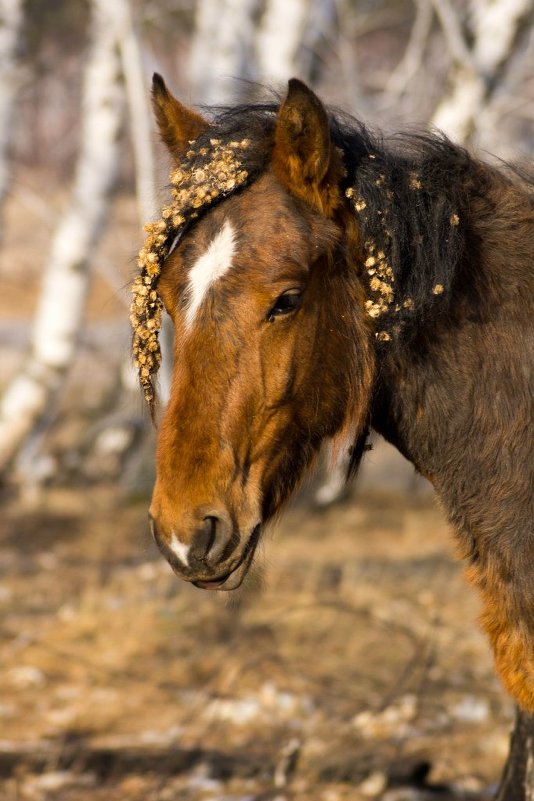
<point x="356" y="667"/>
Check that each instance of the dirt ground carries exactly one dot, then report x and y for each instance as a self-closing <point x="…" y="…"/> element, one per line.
<point x="348" y="667"/>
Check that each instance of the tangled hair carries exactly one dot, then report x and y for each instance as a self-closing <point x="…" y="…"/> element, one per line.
<point x="211" y="170"/>
<point x="410" y="199"/>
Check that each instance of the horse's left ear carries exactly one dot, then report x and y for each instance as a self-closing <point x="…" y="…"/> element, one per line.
<point x="178" y="125"/>
<point x="304" y="157"/>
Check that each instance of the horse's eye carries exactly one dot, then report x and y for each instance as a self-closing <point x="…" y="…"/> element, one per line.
<point x="285" y="304"/>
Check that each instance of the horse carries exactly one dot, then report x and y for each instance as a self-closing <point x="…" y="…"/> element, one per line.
<point x="324" y="280"/>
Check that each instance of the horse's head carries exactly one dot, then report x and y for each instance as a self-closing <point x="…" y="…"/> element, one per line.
<point x="272" y="348"/>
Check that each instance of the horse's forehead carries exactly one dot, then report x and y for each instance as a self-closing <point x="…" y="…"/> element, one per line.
<point x="251" y="236"/>
<point x="209" y="267"/>
<point x="258" y="226"/>
<point x="262" y="218"/>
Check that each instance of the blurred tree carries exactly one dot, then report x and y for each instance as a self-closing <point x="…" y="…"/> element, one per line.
<point x="279" y="40"/>
<point x="140" y="112"/>
<point x="11" y="14"/>
<point x="53" y="43"/>
<point x="402" y="76"/>
<point x="66" y="27"/>
<point x="287" y="40"/>
<point x="222" y="48"/>
<point x="482" y="38"/>
<point x="66" y="276"/>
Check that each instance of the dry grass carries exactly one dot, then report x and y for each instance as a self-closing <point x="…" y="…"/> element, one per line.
<point x="358" y="646"/>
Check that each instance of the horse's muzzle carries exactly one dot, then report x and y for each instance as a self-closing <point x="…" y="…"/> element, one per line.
<point x="213" y="560"/>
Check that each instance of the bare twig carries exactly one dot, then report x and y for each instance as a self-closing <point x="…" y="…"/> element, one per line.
<point x="454" y="35"/>
<point x="413" y="55"/>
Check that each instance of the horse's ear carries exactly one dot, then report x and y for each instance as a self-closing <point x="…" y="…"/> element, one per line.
<point x="178" y="125"/>
<point x="304" y="158"/>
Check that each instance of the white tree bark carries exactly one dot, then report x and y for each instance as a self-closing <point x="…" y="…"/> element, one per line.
<point x="495" y="25"/>
<point x="66" y="276"/>
<point x="140" y="111"/>
<point x="222" y="49"/>
<point x="290" y="34"/>
<point x="279" y="40"/>
<point x="11" y="15"/>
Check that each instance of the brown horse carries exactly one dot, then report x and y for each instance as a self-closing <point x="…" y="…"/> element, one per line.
<point x="323" y="281"/>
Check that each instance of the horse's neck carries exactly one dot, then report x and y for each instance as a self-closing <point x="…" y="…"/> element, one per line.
<point x="458" y="398"/>
<point x="458" y="401"/>
<point x="459" y="405"/>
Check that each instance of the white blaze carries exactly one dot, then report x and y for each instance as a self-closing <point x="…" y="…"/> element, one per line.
<point x="179" y="549"/>
<point x="211" y="266"/>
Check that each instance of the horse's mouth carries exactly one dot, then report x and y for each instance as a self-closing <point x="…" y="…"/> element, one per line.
<point x="234" y="579"/>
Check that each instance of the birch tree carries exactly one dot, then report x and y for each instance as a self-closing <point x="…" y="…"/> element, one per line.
<point x="222" y="48"/>
<point x="139" y="110"/>
<point x="279" y="39"/>
<point x="478" y="67"/>
<point x="412" y="59"/>
<point x="288" y="38"/>
<point x="10" y="25"/>
<point x="66" y="275"/>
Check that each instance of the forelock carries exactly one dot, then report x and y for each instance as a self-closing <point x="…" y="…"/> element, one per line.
<point x="212" y="169"/>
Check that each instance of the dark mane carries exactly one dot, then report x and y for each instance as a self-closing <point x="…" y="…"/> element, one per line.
<point x="415" y="189"/>
<point x="416" y="212"/>
<point x="420" y="189"/>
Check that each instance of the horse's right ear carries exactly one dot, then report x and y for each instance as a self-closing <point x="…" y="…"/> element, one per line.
<point x="304" y="157"/>
<point x="178" y="125"/>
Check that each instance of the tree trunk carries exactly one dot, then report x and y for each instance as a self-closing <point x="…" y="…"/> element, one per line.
<point x="517" y="783"/>
<point x="290" y="37"/>
<point x="478" y="69"/>
<point x="139" y="109"/>
<point x="10" y="23"/>
<point x="66" y="278"/>
<point x="222" y="49"/>
<point x="279" y="40"/>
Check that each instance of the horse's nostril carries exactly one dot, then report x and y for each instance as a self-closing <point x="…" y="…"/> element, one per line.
<point x="211" y="521"/>
<point x="224" y="542"/>
<point x="212" y="541"/>
<point x="203" y="539"/>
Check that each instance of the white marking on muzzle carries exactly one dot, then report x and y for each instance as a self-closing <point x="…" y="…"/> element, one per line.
<point x="211" y="266"/>
<point x="179" y="549"/>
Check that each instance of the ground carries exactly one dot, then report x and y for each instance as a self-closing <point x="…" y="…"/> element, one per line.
<point x="349" y="667"/>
